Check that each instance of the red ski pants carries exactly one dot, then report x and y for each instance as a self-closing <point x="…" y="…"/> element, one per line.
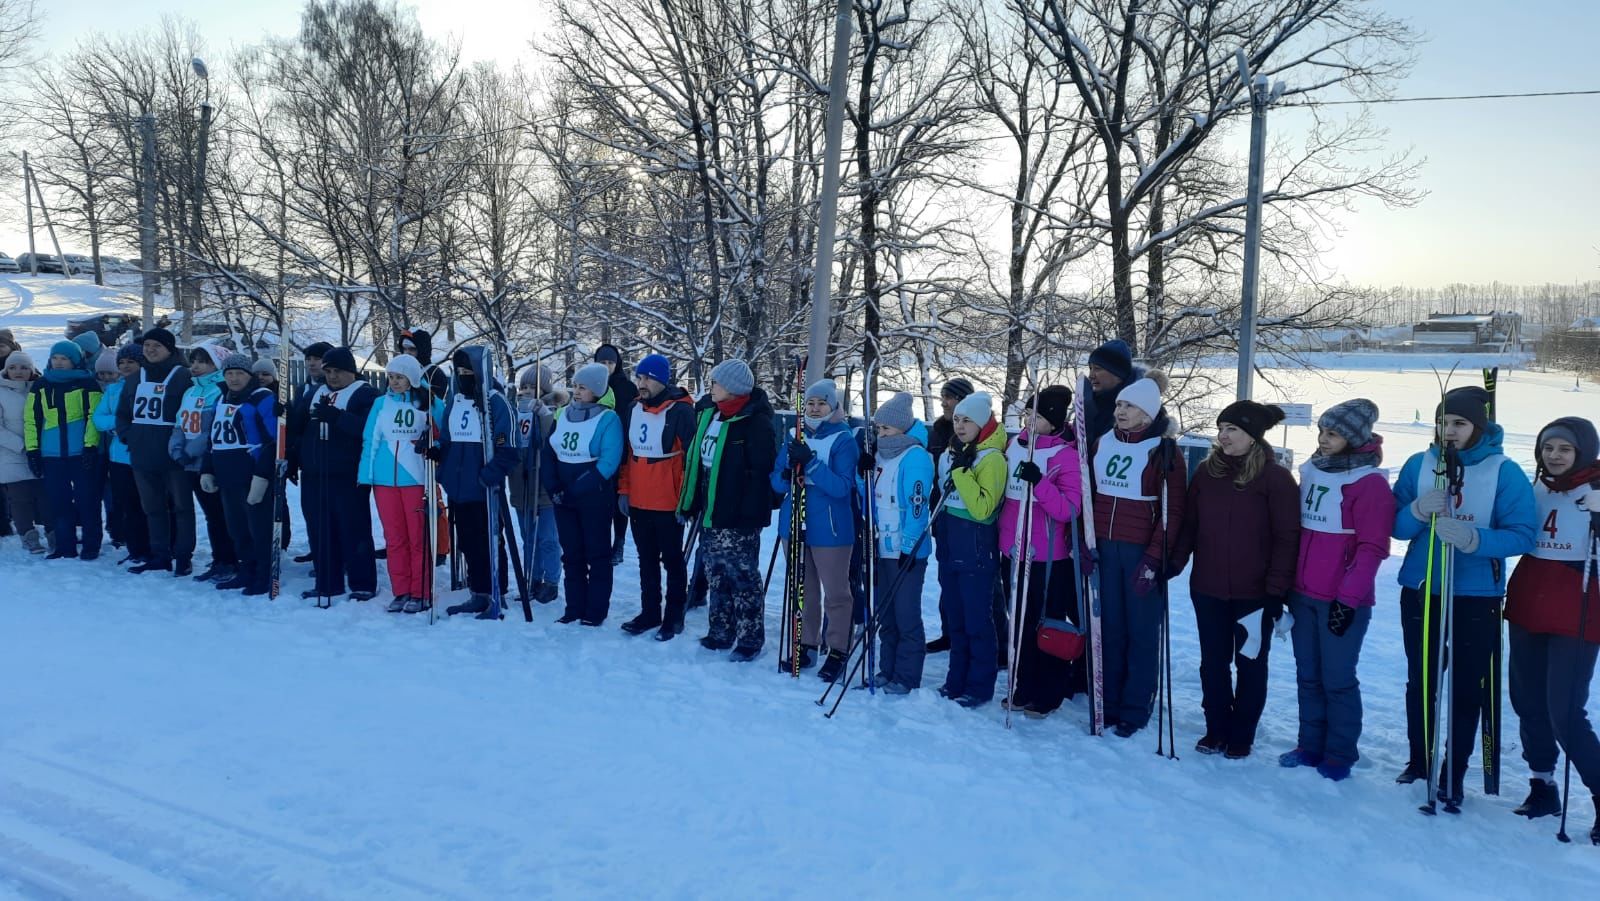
<point x="404" y="514"/>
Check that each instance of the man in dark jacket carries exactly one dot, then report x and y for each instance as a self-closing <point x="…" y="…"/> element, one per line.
<point x="623" y="394"/>
<point x="146" y="415"/>
<point x="1110" y="368"/>
<point x="339" y="508"/>
<point x="469" y="479"/>
<point x="296" y="420"/>
<point x="419" y="343"/>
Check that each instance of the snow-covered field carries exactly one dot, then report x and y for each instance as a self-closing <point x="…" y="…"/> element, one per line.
<point x="161" y="740"/>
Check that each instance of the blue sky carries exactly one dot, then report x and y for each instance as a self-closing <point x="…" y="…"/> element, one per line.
<point x="1513" y="194"/>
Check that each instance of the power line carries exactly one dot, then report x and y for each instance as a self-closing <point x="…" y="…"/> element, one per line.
<point x="1442" y="97"/>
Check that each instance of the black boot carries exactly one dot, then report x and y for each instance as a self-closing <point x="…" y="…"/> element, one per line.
<point x="807" y="658"/>
<point x="545" y="592"/>
<point x="1411" y="773"/>
<point x="151" y="566"/>
<point x="939" y="645"/>
<point x="833" y="667"/>
<point x="641" y="624"/>
<point x="1543" y="800"/>
<point x="477" y="603"/>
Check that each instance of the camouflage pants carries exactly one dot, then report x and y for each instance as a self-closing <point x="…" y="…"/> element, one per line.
<point x="733" y="571"/>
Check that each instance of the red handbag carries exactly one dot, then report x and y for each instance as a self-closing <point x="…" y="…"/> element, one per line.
<point x="1061" y="639"/>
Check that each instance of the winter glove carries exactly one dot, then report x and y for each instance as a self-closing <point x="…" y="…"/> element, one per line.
<point x="91" y="457"/>
<point x="1285" y="625"/>
<point x="326" y="412"/>
<point x="800" y="455"/>
<point x="622" y="504"/>
<point x="1431" y="503"/>
<point x="258" y="490"/>
<point x="208" y="483"/>
<point x="1147" y="575"/>
<point x="36" y="464"/>
<point x="1028" y="471"/>
<point x="1456" y="533"/>
<point x="1088" y="559"/>
<point x="964" y="458"/>
<point x="1340" y="617"/>
<point x="1590" y="503"/>
<point x="1272" y="610"/>
<point x="490" y="478"/>
<point x="866" y="462"/>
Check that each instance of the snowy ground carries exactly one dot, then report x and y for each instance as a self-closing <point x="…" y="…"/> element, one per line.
<point x="159" y="740"/>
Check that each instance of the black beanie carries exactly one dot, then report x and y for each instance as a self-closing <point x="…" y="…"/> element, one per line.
<point x="340" y="358"/>
<point x="1469" y="402"/>
<point x="318" y="350"/>
<point x="1114" y="357"/>
<point x="162" y="337"/>
<point x="1055" y="405"/>
<point x="958" y="388"/>
<point x="1252" y="417"/>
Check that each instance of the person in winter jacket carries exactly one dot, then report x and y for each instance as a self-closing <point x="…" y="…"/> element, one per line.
<point x="727" y="488"/>
<point x="1041" y="461"/>
<point x="1111" y="369"/>
<point x="297" y="420"/>
<point x="1555" y="617"/>
<point x="659" y="432"/>
<point x="622" y="395"/>
<point x="146" y="417"/>
<point x="1483" y="514"/>
<point x="471" y="476"/>
<point x="826" y="459"/>
<point x="187" y="445"/>
<point x="579" y="470"/>
<point x="1346" y="512"/>
<point x="330" y="458"/>
<point x="24" y="491"/>
<point x="1139" y="492"/>
<point x="973" y="473"/>
<point x="106" y="375"/>
<point x="63" y="448"/>
<point x="1241" y="524"/>
<point x="953" y="392"/>
<point x="901" y="493"/>
<point x="240" y="455"/>
<point x="127" y="513"/>
<point x="541" y="542"/>
<point x="418" y="344"/>
<point x="397" y="472"/>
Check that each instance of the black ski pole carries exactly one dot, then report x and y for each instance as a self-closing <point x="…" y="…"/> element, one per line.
<point x="517" y="569"/>
<point x="322" y="563"/>
<point x="1572" y="705"/>
<point x="772" y="565"/>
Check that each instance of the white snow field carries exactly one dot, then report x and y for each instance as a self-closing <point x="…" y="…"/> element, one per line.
<point x="159" y="739"/>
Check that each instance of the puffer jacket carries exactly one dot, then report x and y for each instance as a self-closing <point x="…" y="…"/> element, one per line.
<point x="1244" y="540"/>
<point x="59" y="419"/>
<point x="982" y="487"/>
<point x="830" y="520"/>
<point x="391" y="462"/>
<point x="1344" y="567"/>
<point x="148" y="442"/>
<point x="1056" y="501"/>
<point x="1139" y="522"/>
<point x="1509" y="532"/>
<point x="105" y="421"/>
<point x="191" y="435"/>
<point x="13" y="446"/>
<point x="657" y="484"/>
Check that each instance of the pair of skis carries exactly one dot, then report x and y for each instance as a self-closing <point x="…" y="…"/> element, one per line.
<point x="1084" y="556"/>
<point x="794" y="596"/>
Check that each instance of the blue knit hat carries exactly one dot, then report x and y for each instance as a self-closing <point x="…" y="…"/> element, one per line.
<point x="132" y="352"/>
<point x="1114" y="357"/>
<point x="89" y="343"/>
<point x="70" y="350"/>
<point x="656" y="367"/>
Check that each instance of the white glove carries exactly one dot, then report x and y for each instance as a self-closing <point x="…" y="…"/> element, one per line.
<point x="1590" y="503"/>
<point x="258" y="489"/>
<point x="1430" y="503"/>
<point x="208" y="483"/>
<point x="1455" y="532"/>
<point x="1285" y="624"/>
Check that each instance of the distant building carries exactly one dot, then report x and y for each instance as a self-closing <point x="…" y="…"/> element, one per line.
<point x="1484" y="332"/>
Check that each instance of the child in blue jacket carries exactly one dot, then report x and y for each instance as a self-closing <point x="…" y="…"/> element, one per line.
<point x="902" y="488"/>
<point x="237" y="469"/>
<point x="579" y="469"/>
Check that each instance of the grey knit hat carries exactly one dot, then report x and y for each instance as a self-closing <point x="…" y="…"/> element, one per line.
<point x="236" y="361"/>
<point x="824" y="390"/>
<point x="106" y="361"/>
<point x="264" y="366"/>
<point x="537" y="379"/>
<point x="593" y="376"/>
<point x="1353" y="419"/>
<point x="735" y="376"/>
<point x="896" y="413"/>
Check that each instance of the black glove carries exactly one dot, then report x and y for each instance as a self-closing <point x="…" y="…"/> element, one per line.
<point x="488" y="477"/>
<point x="963" y="458"/>
<point x="91" y="457"/>
<point x="867" y="462"/>
<point x="1340" y="616"/>
<point x="434" y="452"/>
<point x="326" y="411"/>
<point x="800" y="454"/>
<point x="1272" y="610"/>
<point x="1028" y="471"/>
<point x="36" y="464"/>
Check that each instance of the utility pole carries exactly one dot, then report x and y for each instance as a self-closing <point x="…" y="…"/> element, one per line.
<point x="1260" y="98"/>
<point x="147" y="217"/>
<point x="66" y="267"/>
<point x="27" y="197"/>
<point x="195" y="244"/>
<point x="827" y="214"/>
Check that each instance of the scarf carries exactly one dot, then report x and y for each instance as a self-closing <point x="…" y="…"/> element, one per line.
<point x="1370" y="454"/>
<point x="733" y="406"/>
<point x="578" y="411"/>
<point x="891" y="446"/>
<point x="1572" y="478"/>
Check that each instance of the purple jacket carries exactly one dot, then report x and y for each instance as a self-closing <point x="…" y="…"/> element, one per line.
<point x="1056" y="500"/>
<point x="1344" y="568"/>
<point x="1243" y="540"/>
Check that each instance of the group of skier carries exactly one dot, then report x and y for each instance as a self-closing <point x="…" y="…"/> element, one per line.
<point x="1054" y="548"/>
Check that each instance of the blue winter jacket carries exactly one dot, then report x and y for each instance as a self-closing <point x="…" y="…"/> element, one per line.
<point x="255" y="421"/>
<point x="913" y="489"/>
<point x="394" y="464"/>
<point x="105" y="421"/>
<point x="577" y="482"/>
<point x="1481" y="573"/>
<point x="463" y="464"/>
<point x="199" y="400"/>
<point x="830" y="485"/>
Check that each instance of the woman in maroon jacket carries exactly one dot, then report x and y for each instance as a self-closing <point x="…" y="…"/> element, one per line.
<point x="1242" y="524"/>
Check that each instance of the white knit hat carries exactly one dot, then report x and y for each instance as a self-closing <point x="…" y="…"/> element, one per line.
<point x="1144" y="394"/>
<point x="406" y="365"/>
<point x="978" y="407"/>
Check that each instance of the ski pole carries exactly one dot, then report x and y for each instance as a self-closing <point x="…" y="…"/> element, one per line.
<point x="1572" y="705"/>
<point x="772" y="565"/>
<point x="1022" y="556"/>
<point x="323" y="601"/>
